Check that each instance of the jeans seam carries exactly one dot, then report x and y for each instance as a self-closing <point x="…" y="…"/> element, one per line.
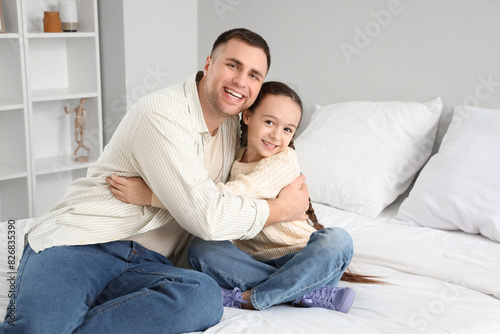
<point x="254" y="302"/>
<point x="118" y="303"/>
<point x="21" y="272"/>
<point x="257" y="306"/>
<point x="217" y="271"/>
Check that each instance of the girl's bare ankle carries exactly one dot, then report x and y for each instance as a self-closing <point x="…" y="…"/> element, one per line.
<point x="247" y="296"/>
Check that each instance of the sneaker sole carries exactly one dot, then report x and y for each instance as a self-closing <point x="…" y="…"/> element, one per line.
<point x="349" y="296"/>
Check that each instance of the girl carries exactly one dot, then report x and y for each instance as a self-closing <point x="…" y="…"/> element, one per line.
<point x="249" y="271"/>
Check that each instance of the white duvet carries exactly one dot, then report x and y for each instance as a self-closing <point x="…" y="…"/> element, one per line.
<point x="437" y="282"/>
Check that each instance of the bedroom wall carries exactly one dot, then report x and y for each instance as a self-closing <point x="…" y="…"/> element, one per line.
<point x="337" y="51"/>
<point x="145" y="46"/>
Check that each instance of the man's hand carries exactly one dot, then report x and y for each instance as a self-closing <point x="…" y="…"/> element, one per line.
<point x="291" y="204"/>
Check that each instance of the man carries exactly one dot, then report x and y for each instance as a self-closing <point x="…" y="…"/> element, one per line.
<point x="97" y="265"/>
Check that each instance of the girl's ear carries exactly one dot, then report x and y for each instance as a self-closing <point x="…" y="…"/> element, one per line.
<point x="207" y="65"/>
<point x="246" y="116"/>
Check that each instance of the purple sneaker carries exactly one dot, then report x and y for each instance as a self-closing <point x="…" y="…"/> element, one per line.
<point x="337" y="299"/>
<point x="232" y="298"/>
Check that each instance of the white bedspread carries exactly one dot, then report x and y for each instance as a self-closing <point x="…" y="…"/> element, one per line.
<point x="438" y="282"/>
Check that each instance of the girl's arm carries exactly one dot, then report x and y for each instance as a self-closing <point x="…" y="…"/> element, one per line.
<point x="270" y="176"/>
<point x="131" y="190"/>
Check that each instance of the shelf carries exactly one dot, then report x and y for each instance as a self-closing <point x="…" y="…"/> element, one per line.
<point x="59" y="164"/>
<point x="62" y="68"/>
<point x="9" y="173"/>
<point x="10" y="105"/>
<point x="41" y="74"/>
<point x="9" y="35"/>
<point x="61" y="35"/>
<point x="40" y="95"/>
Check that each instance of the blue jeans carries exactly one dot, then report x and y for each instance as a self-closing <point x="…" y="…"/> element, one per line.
<point x="116" y="287"/>
<point x="322" y="262"/>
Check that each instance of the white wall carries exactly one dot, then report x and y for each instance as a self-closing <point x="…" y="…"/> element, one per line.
<point x="145" y="45"/>
<point x="336" y="51"/>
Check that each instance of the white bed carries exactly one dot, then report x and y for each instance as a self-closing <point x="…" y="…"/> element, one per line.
<point x="434" y="240"/>
<point x="437" y="246"/>
<point x="438" y="282"/>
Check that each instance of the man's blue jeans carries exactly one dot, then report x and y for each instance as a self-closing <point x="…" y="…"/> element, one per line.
<point x="116" y="287"/>
<point x="322" y="262"/>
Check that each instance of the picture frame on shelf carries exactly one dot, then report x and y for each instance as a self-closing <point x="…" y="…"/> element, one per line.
<point x="2" y="21"/>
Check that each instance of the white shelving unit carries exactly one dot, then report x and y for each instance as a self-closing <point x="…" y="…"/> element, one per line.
<point x="41" y="74"/>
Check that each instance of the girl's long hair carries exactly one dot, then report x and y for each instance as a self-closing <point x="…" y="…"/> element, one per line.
<point x="281" y="89"/>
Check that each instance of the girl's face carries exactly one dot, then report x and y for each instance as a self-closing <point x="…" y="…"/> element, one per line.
<point x="271" y="126"/>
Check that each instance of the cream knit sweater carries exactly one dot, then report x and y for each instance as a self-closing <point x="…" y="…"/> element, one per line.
<point x="264" y="179"/>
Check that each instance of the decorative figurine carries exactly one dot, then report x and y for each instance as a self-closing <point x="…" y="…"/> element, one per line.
<point x="80" y="126"/>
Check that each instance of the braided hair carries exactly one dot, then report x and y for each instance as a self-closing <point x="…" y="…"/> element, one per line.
<point x="279" y="88"/>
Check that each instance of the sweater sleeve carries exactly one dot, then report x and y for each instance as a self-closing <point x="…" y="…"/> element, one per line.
<point x="267" y="179"/>
<point x="155" y="202"/>
<point x="265" y="182"/>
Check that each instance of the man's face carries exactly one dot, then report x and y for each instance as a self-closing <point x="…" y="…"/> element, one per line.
<point x="234" y="74"/>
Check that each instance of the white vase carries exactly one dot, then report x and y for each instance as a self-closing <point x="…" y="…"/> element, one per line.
<point x="69" y="15"/>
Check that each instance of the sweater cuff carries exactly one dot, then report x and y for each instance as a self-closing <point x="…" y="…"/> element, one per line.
<point x="155" y="202"/>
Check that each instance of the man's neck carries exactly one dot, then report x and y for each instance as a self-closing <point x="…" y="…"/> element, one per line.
<point x="212" y="119"/>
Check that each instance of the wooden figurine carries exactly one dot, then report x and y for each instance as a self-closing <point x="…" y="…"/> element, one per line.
<point x="80" y="127"/>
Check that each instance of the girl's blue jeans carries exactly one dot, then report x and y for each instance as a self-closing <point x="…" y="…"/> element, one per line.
<point x="322" y="262"/>
<point x="116" y="287"/>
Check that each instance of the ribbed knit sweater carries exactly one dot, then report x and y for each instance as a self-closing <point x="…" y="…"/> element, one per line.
<point x="264" y="179"/>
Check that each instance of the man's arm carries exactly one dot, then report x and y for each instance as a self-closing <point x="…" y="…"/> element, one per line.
<point x="257" y="184"/>
<point x="275" y="179"/>
<point x="291" y="204"/>
<point x="167" y="156"/>
<point x="135" y="191"/>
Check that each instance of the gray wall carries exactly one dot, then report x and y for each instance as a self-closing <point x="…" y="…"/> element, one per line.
<point x="145" y="46"/>
<point x="336" y="51"/>
<point x="329" y="51"/>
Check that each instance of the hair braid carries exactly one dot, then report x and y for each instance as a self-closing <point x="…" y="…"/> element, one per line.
<point x="277" y="88"/>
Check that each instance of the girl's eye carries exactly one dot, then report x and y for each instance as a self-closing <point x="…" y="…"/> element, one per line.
<point x="269" y="122"/>
<point x="288" y="130"/>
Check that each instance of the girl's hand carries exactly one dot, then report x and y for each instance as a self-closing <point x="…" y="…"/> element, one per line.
<point x="131" y="190"/>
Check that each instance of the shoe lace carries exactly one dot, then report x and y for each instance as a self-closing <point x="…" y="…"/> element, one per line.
<point x="322" y="297"/>
<point x="233" y="298"/>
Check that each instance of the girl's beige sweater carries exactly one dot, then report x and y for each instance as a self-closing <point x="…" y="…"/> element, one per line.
<point x="264" y="179"/>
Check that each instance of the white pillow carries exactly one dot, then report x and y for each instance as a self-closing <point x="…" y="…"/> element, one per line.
<point x="459" y="188"/>
<point x="360" y="156"/>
